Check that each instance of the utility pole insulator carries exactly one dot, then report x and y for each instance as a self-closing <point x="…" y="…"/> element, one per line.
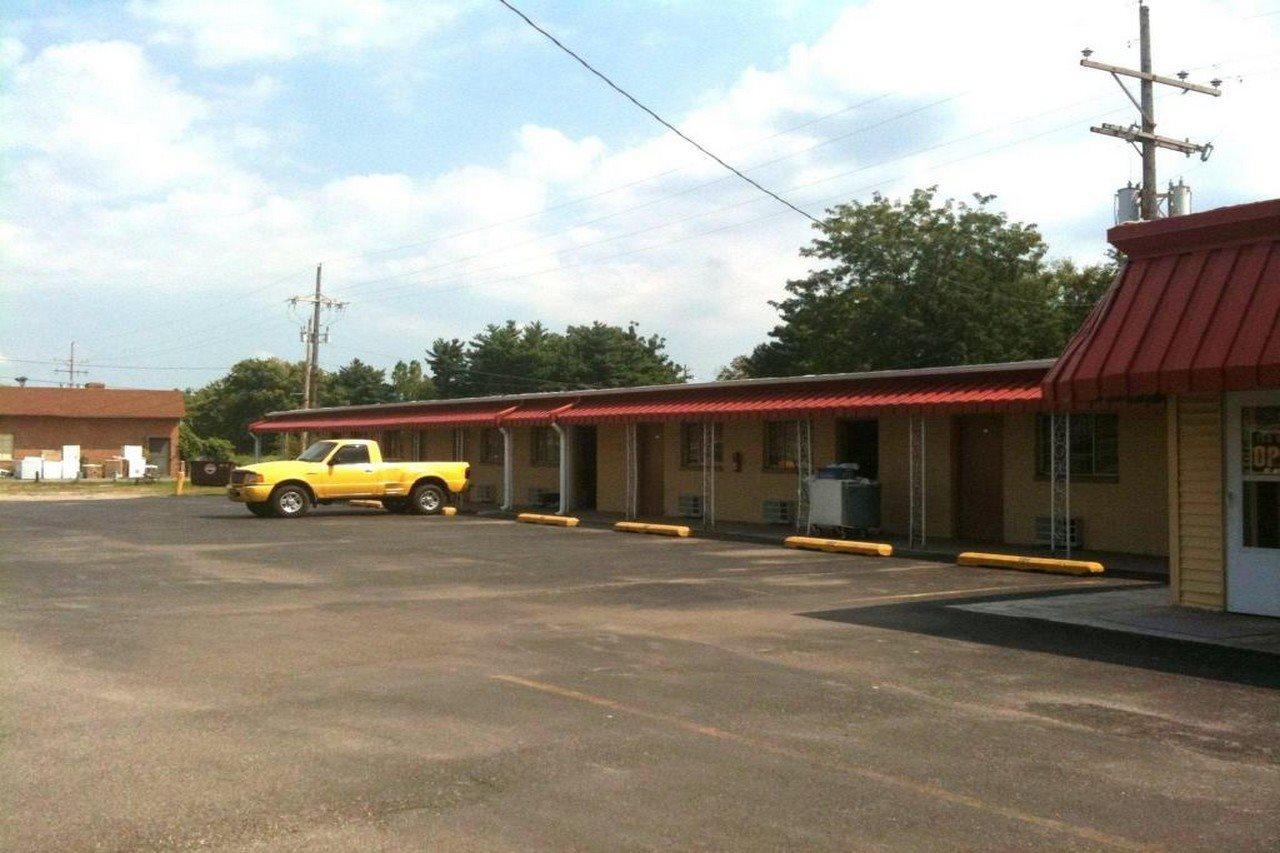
<point x="1143" y="135"/>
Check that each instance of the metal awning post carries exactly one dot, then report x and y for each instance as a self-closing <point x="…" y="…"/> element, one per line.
<point x="257" y="447"/>
<point x="631" y="455"/>
<point x="804" y="469"/>
<point x="1060" y="483"/>
<point x="508" y="468"/>
<point x="916" y="481"/>
<point x="566" y="468"/>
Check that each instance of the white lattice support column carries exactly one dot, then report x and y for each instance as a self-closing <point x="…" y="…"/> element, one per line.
<point x="804" y="469"/>
<point x="508" y="468"/>
<point x="917" y="502"/>
<point x="1060" y="483"/>
<point x="631" y="462"/>
<point x="708" y="475"/>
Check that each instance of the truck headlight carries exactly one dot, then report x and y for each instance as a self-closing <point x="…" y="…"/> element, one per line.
<point x="250" y="478"/>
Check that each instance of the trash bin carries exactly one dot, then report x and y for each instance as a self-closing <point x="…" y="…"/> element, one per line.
<point x="209" y="472"/>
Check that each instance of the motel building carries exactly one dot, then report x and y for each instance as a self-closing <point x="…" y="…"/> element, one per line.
<point x="1156" y="434"/>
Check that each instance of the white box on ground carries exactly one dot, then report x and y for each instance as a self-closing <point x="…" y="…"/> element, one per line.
<point x="71" y="461"/>
<point x="30" y="468"/>
<point x="51" y="470"/>
<point x="135" y="462"/>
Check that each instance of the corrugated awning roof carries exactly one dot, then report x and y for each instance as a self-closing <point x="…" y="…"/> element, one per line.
<point x="953" y="394"/>
<point x="531" y="414"/>
<point x="462" y="415"/>
<point x="978" y="389"/>
<point x="1195" y="309"/>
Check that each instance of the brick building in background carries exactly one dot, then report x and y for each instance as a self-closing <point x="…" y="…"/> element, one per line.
<point x="100" y="420"/>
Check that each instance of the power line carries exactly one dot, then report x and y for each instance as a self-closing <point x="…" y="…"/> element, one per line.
<point x="668" y="125"/>
<point x="645" y="204"/>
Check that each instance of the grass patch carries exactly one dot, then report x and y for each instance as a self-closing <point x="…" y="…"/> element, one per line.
<point x="87" y="488"/>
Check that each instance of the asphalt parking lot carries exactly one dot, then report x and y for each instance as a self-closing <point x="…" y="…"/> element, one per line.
<point x="177" y="673"/>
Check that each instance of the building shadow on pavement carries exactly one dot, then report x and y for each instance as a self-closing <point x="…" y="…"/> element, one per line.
<point x="945" y="619"/>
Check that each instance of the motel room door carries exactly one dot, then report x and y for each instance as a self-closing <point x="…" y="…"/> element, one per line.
<point x="649" y="464"/>
<point x="1253" y="503"/>
<point x="979" y="478"/>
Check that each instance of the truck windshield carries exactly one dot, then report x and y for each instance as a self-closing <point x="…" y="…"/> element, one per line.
<point x="318" y="451"/>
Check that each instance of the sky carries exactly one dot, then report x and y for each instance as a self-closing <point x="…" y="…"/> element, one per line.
<point x="174" y="170"/>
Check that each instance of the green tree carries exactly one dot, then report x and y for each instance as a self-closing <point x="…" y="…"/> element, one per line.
<point x="448" y="362"/>
<point x="357" y="384"/>
<point x="192" y="446"/>
<point x="225" y="407"/>
<point x="604" y="356"/>
<point x="1078" y="289"/>
<point x="510" y="358"/>
<point x="918" y="283"/>
<point x="409" y="382"/>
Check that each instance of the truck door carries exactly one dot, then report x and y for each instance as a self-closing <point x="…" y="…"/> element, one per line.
<point x="351" y="474"/>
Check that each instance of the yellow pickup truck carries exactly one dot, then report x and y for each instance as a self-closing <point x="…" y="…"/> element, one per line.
<point x="346" y="469"/>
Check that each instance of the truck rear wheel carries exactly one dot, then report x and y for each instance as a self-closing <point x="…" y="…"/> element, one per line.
<point x="426" y="499"/>
<point x="289" y="502"/>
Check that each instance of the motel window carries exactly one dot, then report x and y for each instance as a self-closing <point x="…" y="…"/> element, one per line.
<point x="459" y="444"/>
<point x="491" y="446"/>
<point x="1095" y="446"/>
<point x="546" y="446"/>
<point x="691" y="445"/>
<point x="396" y="447"/>
<point x="780" y="445"/>
<point x="6" y="447"/>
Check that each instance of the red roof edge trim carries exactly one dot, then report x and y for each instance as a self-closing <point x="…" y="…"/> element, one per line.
<point x="1213" y="228"/>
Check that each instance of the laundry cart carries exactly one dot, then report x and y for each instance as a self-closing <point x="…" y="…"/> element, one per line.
<point x="843" y="503"/>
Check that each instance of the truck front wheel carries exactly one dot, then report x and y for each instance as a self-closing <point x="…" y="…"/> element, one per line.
<point x="426" y="499"/>
<point x="261" y="510"/>
<point x="289" y="502"/>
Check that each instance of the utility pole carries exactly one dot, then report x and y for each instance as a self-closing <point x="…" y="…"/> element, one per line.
<point x="70" y="369"/>
<point x="1146" y="90"/>
<point x="312" y="336"/>
<point x="1143" y="135"/>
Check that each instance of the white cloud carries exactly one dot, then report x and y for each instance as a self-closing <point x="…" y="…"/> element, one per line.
<point x="225" y="32"/>
<point x="117" y="166"/>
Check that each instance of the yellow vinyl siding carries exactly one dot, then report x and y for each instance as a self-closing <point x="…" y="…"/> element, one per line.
<point x="1196" y="547"/>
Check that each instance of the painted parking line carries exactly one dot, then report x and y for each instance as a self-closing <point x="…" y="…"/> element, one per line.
<point x="976" y="590"/>
<point x="925" y="789"/>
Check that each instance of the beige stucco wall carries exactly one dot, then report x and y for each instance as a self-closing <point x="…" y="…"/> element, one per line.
<point x="895" y="475"/>
<point x="1129" y="515"/>
<point x="611" y="476"/>
<point x="740" y="494"/>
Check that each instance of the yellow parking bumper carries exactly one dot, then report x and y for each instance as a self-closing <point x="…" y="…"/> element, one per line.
<point x="1030" y="564"/>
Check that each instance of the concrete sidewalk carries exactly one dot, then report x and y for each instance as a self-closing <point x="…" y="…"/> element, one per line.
<point x="1145" y="610"/>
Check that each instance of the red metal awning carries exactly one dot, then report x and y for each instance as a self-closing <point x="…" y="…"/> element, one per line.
<point x="463" y="415"/>
<point x="959" y="393"/>
<point x="1196" y="308"/>
<point x="534" y="414"/>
